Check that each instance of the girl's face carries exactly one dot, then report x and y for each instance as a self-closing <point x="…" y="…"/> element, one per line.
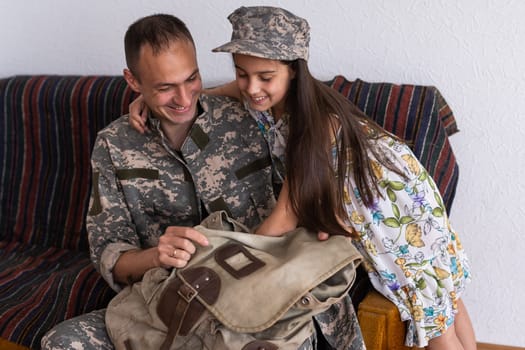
<point x="264" y="83"/>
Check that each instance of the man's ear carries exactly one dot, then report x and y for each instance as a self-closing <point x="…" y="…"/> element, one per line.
<point x="131" y="80"/>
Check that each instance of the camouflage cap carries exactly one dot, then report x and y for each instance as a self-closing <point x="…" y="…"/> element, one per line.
<point x="268" y="32"/>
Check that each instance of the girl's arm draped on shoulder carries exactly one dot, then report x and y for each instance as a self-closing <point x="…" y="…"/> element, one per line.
<point x="282" y="219"/>
<point x="229" y="89"/>
<point x="138" y="111"/>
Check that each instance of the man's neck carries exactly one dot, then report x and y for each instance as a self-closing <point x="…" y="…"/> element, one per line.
<point x="176" y="134"/>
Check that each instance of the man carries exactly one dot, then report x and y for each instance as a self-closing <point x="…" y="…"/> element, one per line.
<point x="171" y="178"/>
<point x="203" y="154"/>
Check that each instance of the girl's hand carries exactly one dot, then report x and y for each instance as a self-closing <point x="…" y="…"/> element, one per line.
<point x="138" y="114"/>
<point x="322" y="236"/>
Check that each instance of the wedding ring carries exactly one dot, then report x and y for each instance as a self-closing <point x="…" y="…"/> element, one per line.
<point x="174" y="253"/>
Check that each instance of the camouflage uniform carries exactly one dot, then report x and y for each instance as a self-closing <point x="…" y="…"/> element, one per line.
<point x="141" y="185"/>
<point x="145" y="186"/>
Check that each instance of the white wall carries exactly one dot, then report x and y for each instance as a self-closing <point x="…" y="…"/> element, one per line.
<point x="472" y="50"/>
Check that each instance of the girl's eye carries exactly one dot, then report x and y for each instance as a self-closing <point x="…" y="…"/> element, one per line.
<point x="265" y="79"/>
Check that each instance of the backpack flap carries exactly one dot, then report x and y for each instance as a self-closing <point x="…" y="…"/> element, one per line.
<point x="258" y="279"/>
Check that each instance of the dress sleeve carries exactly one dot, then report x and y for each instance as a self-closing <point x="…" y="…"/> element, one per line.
<point x="406" y="230"/>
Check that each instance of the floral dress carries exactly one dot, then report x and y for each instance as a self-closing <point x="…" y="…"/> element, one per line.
<point x="413" y="256"/>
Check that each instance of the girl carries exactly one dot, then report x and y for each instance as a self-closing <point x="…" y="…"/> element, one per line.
<point x="345" y="175"/>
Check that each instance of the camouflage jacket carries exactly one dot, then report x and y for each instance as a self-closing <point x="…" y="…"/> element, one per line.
<point x="141" y="185"/>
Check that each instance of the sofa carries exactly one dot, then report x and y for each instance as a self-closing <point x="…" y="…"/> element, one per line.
<point x="48" y="125"/>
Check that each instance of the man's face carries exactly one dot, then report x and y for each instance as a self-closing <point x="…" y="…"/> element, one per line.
<point x="169" y="81"/>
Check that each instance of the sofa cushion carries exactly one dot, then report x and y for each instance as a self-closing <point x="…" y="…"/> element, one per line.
<point x="43" y="286"/>
<point x="417" y="114"/>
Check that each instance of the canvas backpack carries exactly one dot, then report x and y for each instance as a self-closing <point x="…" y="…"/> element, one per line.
<point x="242" y="291"/>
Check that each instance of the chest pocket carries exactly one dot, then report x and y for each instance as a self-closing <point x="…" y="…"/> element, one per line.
<point x="163" y="196"/>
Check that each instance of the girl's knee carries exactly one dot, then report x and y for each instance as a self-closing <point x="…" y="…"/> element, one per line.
<point x="446" y="341"/>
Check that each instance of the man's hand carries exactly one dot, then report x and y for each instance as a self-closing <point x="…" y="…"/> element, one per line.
<point x="175" y="248"/>
<point x="178" y="244"/>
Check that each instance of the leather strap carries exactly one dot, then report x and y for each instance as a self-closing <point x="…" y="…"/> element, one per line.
<point x="179" y="307"/>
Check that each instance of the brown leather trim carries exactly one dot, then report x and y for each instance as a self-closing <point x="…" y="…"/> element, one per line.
<point x="227" y="251"/>
<point x="260" y="345"/>
<point x="204" y="281"/>
<point x="178" y="306"/>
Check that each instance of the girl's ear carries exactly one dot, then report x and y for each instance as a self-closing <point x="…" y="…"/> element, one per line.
<point x="131" y="80"/>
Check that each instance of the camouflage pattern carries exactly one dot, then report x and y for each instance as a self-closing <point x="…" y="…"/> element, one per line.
<point x="83" y="332"/>
<point x="340" y="327"/>
<point x="268" y="32"/>
<point x="141" y="185"/>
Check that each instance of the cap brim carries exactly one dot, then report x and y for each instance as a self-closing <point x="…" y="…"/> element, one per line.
<point x="250" y="48"/>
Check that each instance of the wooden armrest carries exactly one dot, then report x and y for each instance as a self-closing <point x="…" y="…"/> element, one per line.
<point x="7" y="345"/>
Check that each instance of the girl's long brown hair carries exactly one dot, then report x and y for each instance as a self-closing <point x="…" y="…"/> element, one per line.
<point x="316" y="187"/>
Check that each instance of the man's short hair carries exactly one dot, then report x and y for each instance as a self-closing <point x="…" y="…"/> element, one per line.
<point x="158" y="31"/>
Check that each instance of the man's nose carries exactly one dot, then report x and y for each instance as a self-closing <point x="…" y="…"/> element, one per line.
<point x="182" y="97"/>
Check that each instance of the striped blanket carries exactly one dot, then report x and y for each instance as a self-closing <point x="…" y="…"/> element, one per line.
<point x="417" y="114"/>
<point x="48" y="126"/>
